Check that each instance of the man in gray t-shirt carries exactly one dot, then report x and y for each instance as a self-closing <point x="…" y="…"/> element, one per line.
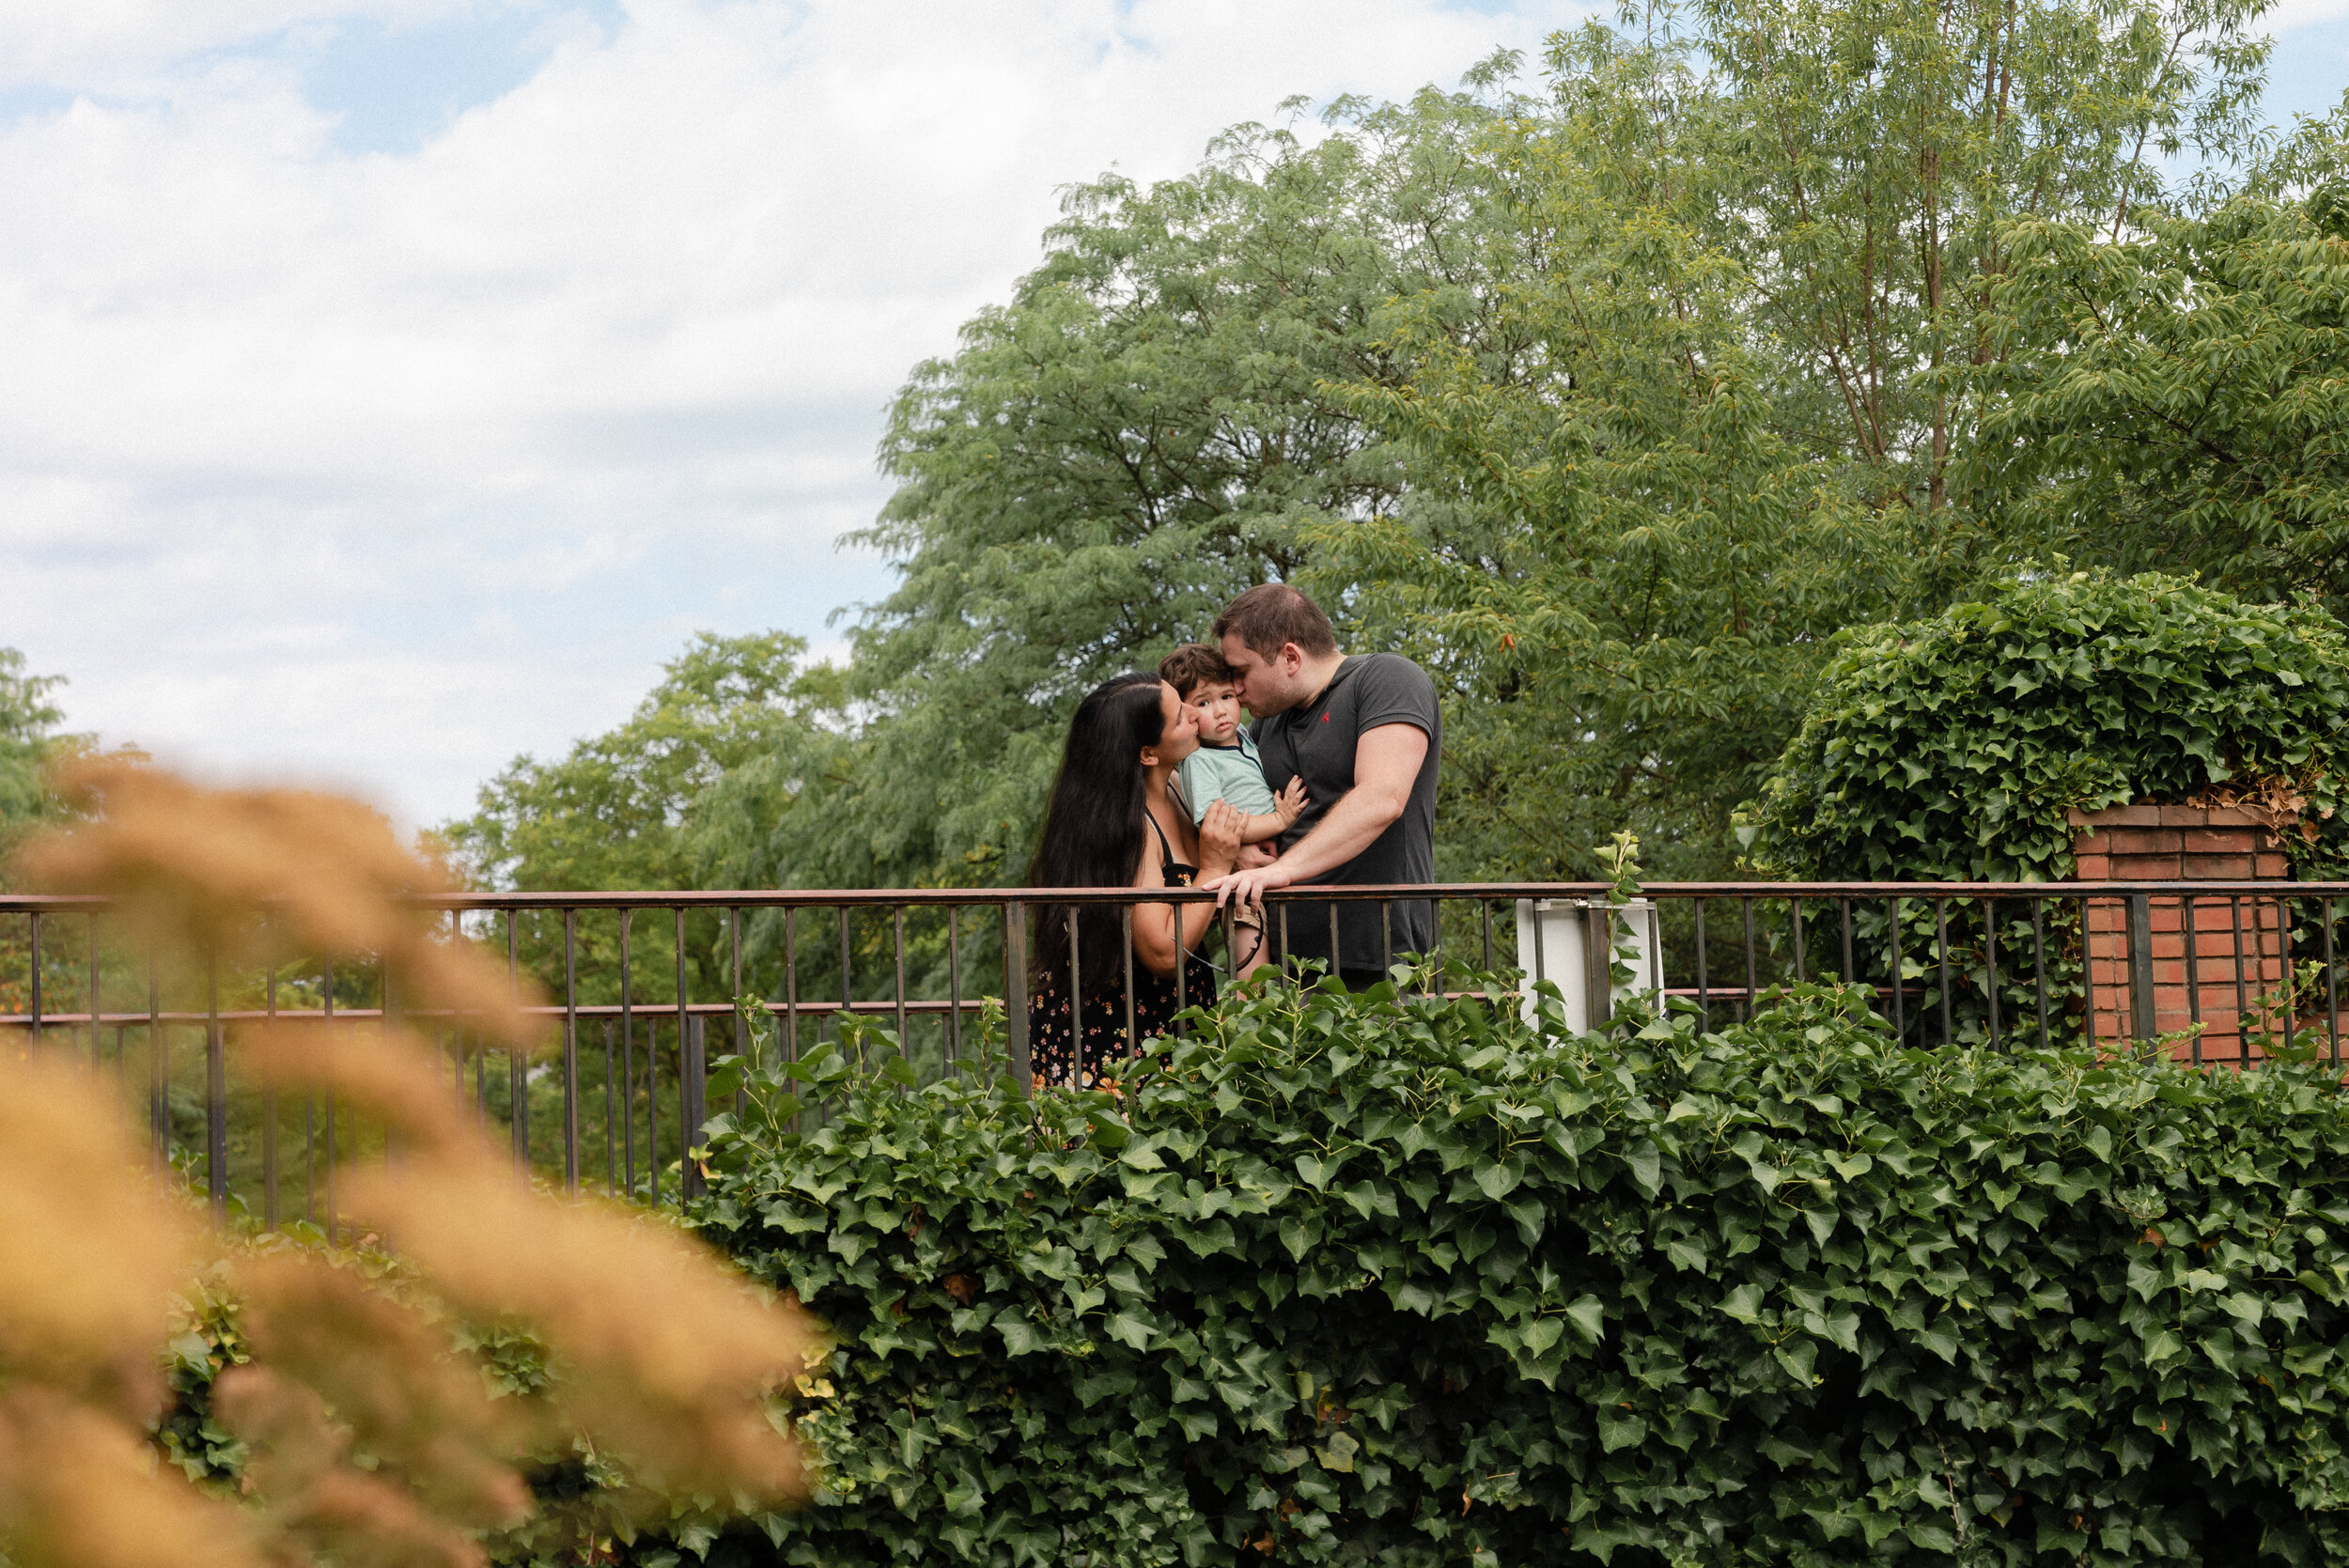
<point x="1365" y="735"/>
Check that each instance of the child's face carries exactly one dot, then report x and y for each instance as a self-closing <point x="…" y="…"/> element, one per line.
<point x="1218" y="710"/>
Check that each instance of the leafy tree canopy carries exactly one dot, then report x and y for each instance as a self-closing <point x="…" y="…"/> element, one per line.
<point x="2179" y="398"/>
<point x="30" y="742"/>
<point x="1612" y="402"/>
<point x="631" y="808"/>
<point x="1613" y="398"/>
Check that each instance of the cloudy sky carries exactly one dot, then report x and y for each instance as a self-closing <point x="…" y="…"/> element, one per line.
<point x="392" y="384"/>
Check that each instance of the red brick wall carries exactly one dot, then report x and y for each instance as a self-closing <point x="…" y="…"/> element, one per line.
<point x="2167" y="844"/>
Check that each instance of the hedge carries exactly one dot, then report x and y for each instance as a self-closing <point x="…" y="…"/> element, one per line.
<point x="1951" y="749"/>
<point x="1396" y="1280"/>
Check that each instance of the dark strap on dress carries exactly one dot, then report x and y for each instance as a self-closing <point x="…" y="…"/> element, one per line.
<point x="1171" y="870"/>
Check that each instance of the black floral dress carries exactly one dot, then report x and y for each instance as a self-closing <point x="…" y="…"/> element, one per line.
<point x="1070" y="1059"/>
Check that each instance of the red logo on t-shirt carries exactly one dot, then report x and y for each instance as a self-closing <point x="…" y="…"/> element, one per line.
<point x="1325" y="718"/>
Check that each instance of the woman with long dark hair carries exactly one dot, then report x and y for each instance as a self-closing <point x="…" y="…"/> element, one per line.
<point x="1111" y="823"/>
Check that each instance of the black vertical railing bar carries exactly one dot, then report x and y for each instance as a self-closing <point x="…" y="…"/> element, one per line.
<point x="1337" y="949"/>
<point x="905" y="1045"/>
<point x="1941" y="945"/>
<point x="734" y="988"/>
<point x="1705" y="995"/>
<point x="652" y="1108"/>
<point x="2288" y="984"/>
<point x="790" y="991"/>
<point x="2193" y="975"/>
<point x="1899" y="982"/>
<point x="1539" y="969"/>
<point x="2087" y="980"/>
<point x="215" y="1095"/>
<point x="692" y="1079"/>
<point x="1483" y="920"/>
<point x="2039" y="963"/>
<point x="2138" y="910"/>
<point x="1284" y="939"/>
<point x="1231" y="937"/>
<point x="2241" y="996"/>
<point x="1793" y="909"/>
<point x="611" y="1114"/>
<point x="1182" y="960"/>
<point x="517" y="1062"/>
<point x="570" y="1052"/>
<point x="327" y="980"/>
<point x="953" y="984"/>
<point x="309" y="1158"/>
<point x="96" y="1007"/>
<point x="269" y="1111"/>
<point x="788" y="1047"/>
<point x="1071" y="922"/>
<point x="1990" y="964"/>
<point x="1126" y="934"/>
<point x="1850" y="974"/>
<point x="1016" y="1042"/>
<point x="848" y="988"/>
<point x="1753" y="982"/>
<point x="2332" y="989"/>
<point x="1386" y="939"/>
<point x="310" y="1143"/>
<point x="628" y="1054"/>
<point x="34" y="921"/>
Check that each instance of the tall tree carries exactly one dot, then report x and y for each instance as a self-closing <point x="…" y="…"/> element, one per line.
<point x="1141" y="431"/>
<point x="630" y="808"/>
<point x="31" y="741"/>
<point x="1756" y="257"/>
<point x="2178" y="397"/>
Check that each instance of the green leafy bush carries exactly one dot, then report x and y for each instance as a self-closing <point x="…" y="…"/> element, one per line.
<point x="1951" y="749"/>
<point x="1404" y="1280"/>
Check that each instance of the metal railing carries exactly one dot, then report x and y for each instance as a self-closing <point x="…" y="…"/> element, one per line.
<point x="635" y="981"/>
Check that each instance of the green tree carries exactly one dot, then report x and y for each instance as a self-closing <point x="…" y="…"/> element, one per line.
<point x="29" y="740"/>
<point x="1862" y="160"/>
<point x="1143" y="430"/>
<point x="1715" y="416"/>
<point x="622" y="810"/>
<point x="2179" y="398"/>
<point x="1626" y="570"/>
<point x="1612" y="402"/>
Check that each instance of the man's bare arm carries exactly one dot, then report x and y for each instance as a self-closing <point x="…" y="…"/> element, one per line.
<point x="1386" y="765"/>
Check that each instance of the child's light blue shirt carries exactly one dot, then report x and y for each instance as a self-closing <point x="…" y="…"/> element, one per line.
<point x="1232" y="773"/>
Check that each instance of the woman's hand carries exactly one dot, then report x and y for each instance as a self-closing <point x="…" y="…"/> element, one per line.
<point x="1219" y="839"/>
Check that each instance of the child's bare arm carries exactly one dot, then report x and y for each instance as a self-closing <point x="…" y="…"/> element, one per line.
<point x="1287" y="807"/>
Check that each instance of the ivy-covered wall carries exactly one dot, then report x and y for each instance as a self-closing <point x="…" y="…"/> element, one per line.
<point x="1953" y="748"/>
<point x="1360" y="1279"/>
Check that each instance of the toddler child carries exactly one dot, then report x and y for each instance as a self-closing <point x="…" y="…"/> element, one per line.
<point x="1225" y="768"/>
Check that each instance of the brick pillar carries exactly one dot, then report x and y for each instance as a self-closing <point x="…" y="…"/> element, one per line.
<point x="2239" y="943"/>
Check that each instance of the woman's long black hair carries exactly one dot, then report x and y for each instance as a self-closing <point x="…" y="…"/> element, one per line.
<point x="1094" y="823"/>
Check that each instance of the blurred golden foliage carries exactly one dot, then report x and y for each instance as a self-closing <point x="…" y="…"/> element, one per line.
<point x="374" y="1441"/>
<point x="241" y="875"/>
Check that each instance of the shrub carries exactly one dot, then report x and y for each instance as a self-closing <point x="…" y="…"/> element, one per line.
<point x="1401" y="1279"/>
<point x="1951" y="749"/>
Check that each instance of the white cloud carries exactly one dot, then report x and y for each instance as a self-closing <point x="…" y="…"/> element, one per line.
<point x="386" y="467"/>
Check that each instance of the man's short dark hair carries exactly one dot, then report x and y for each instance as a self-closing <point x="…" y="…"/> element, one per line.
<point x="1192" y="666"/>
<point x="1273" y="614"/>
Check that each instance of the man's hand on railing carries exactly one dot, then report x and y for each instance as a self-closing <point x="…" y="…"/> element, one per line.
<point x="1245" y="890"/>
